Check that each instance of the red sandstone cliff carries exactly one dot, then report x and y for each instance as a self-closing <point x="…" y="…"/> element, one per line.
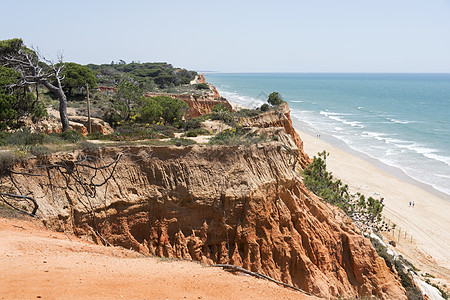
<point x="279" y="118"/>
<point x="242" y="205"/>
<point x="202" y="78"/>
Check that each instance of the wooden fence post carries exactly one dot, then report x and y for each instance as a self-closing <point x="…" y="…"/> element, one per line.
<point x="89" y="127"/>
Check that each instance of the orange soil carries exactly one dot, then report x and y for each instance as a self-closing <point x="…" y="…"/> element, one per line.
<point x="37" y="263"/>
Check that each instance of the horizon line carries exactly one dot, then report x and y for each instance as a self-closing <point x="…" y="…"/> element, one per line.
<point x="316" y="72"/>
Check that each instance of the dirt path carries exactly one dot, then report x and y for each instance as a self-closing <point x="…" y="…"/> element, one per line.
<point x="39" y="264"/>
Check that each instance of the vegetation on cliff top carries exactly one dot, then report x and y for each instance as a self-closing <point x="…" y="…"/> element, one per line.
<point x="26" y="77"/>
<point x="149" y="76"/>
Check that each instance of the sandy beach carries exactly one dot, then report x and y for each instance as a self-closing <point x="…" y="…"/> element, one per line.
<point x="422" y="232"/>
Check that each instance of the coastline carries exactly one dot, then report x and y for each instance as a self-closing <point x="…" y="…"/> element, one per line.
<point x="395" y="171"/>
<point x="426" y="225"/>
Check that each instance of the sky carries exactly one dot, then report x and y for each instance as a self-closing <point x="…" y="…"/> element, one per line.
<point x="240" y="36"/>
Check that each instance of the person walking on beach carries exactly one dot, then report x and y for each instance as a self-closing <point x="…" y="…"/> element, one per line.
<point x="409" y="203"/>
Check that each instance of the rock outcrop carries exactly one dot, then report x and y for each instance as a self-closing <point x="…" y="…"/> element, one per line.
<point x="202" y="78"/>
<point x="77" y="127"/>
<point x="241" y="205"/>
<point x="97" y="125"/>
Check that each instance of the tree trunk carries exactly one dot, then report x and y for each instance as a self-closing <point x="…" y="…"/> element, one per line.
<point x="62" y="102"/>
<point x="63" y="110"/>
<point x="88" y="110"/>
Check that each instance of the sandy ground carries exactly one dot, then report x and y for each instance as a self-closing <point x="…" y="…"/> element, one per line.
<point x="427" y="224"/>
<point x="39" y="264"/>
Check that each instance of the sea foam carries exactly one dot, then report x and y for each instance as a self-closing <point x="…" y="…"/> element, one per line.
<point x="398" y="119"/>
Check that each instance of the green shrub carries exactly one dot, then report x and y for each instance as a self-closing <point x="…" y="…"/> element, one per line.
<point x="265" y="107"/>
<point x="71" y="136"/>
<point x="151" y="111"/>
<point x="233" y="136"/>
<point x="172" y="109"/>
<point x="164" y="130"/>
<point x="192" y="133"/>
<point x="3" y="140"/>
<point x="94" y="136"/>
<point x="136" y="132"/>
<point x="321" y="182"/>
<point x="88" y="146"/>
<point x="25" y="137"/>
<point x="275" y="99"/>
<point x="112" y="117"/>
<point x="224" y="116"/>
<point x="220" y="107"/>
<point x="192" y="124"/>
<point x="168" y="109"/>
<point x="381" y="250"/>
<point x="182" y="142"/>
<point x="39" y="150"/>
<point x="53" y="138"/>
<point x="202" y="86"/>
<point x="7" y="161"/>
<point x="247" y="112"/>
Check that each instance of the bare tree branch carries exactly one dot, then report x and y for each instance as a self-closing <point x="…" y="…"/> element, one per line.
<point x="26" y="63"/>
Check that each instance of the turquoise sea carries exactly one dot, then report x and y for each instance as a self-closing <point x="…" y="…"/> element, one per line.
<point x="401" y="120"/>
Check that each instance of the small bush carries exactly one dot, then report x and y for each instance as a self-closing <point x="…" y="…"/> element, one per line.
<point x="322" y="183"/>
<point x="53" y="138"/>
<point x="94" y="136"/>
<point x="275" y="99"/>
<point x="165" y="130"/>
<point x="136" y="132"/>
<point x="71" y="136"/>
<point x="151" y="111"/>
<point x="25" y="137"/>
<point x="202" y="86"/>
<point x="192" y="124"/>
<point x="224" y="116"/>
<point x="7" y="161"/>
<point x="182" y="142"/>
<point x="247" y="112"/>
<point x="220" y="107"/>
<point x="39" y="150"/>
<point x="169" y="109"/>
<point x="381" y="250"/>
<point x="192" y="133"/>
<point x="233" y="136"/>
<point x="88" y="146"/>
<point x="265" y="107"/>
<point x="3" y="140"/>
<point x="112" y="117"/>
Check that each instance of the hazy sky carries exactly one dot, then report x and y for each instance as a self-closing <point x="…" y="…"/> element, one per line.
<point x="240" y="36"/>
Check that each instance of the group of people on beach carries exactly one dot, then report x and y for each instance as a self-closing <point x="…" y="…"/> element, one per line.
<point x="412" y="204"/>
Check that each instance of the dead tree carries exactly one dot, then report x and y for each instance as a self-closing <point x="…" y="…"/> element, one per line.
<point x="32" y="71"/>
<point x="83" y="176"/>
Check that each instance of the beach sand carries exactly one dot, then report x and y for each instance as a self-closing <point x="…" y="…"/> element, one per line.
<point x="427" y="224"/>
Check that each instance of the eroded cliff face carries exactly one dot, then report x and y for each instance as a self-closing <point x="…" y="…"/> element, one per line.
<point x="281" y="117"/>
<point x="242" y="205"/>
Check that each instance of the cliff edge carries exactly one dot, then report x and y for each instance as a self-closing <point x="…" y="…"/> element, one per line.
<point x="241" y="205"/>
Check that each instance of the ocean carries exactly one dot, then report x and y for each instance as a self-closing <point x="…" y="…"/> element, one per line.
<point x="401" y="120"/>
